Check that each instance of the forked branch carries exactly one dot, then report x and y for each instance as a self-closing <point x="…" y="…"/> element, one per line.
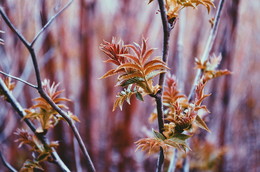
<point x="20" y="111"/>
<point x="43" y="94"/>
<point x="18" y="79"/>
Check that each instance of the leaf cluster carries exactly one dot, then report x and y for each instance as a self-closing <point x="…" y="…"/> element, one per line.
<point x="179" y="116"/>
<point x="40" y="151"/>
<point x="209" y="68"/>
<point x="135" y="69"/>
<point x="173" y="7"/>
<point x="42" y="110"/>
<point x="9" y="84"/>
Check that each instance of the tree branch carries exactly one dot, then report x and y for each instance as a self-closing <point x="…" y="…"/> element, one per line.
<point x="180" y="73"/>
<point x="49" y="22"/>
<point x="11" y="26"/>
<point x="30" y="48"/>
<point x="205" y="56"/>
<point x="210" y="42"/>
<point x="6" y="164"/>
<point x="18" y="108"/>
<point x="19" y="79"/>
<point x="173" y="162"/>
<point x="158" y="97"/>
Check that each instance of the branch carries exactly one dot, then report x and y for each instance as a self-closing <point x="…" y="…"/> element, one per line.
<point x="180" y="73"/>
<point x="11" y="26"/>
<point x="18" y="108"/>
<point x="205" y="56"/>
<point x="74" y="129"/>
<point x="179" y="52"/>
<point x="210" y="42"/>
<point x="6" y="164"/>
<point x="158" y="97"/>
<point x="173" y="162"/>
<point x="19" y="79"/>
<point x="49" y="22"/>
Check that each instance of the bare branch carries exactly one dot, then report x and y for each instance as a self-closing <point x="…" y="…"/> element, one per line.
<point x="49" y="22"/>
<point x="18" y="108"/>
<point x="12" y="27"/>
<point x="173" y="162"/>
<point x="210" y="42"/>
<point x="19" y="79"/>
<point x="6" y="164"/>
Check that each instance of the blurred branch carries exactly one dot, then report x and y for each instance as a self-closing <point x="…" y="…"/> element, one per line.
<point x="173" y="162"/>
<point x="49" y="22"/>
<point x="19" y="79"/>
<point x="11" y="26"/>
<point x="158" y="97"/>
<point x="180" y="74"/>
<point x="205" y="56"/>
<point x="43" y="94"/>
<point x="6" y="164"/>
<point x="179" y="51"/>
<point x="208" y="47"/>
<point x="18" y="108"/>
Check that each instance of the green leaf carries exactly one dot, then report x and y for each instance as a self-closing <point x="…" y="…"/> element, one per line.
<point x="132" y="81"/>
<point x="201" y="123"/>
<point x="158" y="135"/>
<point x="154" y="74"/>
<point x="181" y="136"/>
<point x="181" y="143"/>
<point x="139" y="96"/>
<point x="43" y="156"/>
<point x="172" y="143"/>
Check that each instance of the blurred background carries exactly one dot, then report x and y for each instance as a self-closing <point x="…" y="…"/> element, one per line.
<point x="68" y="53"/>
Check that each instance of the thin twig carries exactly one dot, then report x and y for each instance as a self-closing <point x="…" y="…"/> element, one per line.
<point x="11" y="26"/>
<point x="205" y="56"/>
<point x="6" y="164"/>
<point x="49" y="22"/>
<point x="74" y="129"/>
<point x="180" y="72"/>
<point x="18" y="108"/>
<point x="208" y="47"/>
<point x="173" y="162"/>
<point x="179" y="52"/>
<point x="19" y="79"/>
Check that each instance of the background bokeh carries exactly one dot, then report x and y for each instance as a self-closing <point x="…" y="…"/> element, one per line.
<point x="68" y="53"/>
